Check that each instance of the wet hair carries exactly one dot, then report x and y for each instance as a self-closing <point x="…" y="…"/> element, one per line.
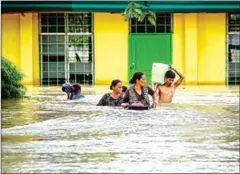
<point x="66" y="88"/>
<point x="114" y="83"/>
<point x="170" y="74"/>
<point x="136" y="76"/>
<point x="76" y="87"/>
<point x="124" y="89"/>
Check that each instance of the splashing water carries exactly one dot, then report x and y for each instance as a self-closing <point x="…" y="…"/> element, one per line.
<point x="46" y="133"/>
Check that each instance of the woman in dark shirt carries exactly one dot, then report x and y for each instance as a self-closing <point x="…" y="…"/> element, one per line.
<point x="115" y="97"/>
<point x="138" y="93"/>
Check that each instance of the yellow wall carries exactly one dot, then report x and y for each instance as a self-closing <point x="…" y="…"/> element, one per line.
<point x="178" y="52"/>
<point x="26" y="47"/>
<point x="20" y="44"/>
<point x="11" y="37"/>
<point x="199" y="47"/>
<point x="35" y="51"/>
<point x="111" y="48"/>
<point x="211" y="48"/>
<point x="191" y="49"/>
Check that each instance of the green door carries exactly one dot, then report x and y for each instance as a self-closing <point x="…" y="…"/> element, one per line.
<point x="145" y="49"/>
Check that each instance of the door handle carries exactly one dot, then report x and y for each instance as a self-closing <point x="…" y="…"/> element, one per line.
<point x="131" y="67"/>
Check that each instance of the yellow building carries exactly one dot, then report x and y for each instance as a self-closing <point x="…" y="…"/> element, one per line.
<point x="91" y="43"/>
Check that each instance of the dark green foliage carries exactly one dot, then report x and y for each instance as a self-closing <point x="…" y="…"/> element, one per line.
<point x="139" y="10"/>
<point x="11" y="86"/>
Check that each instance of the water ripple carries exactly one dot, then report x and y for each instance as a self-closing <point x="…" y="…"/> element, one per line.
<point x="45" y="133"/>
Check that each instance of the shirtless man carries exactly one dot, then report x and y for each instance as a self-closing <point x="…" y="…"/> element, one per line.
<point x="166" y="91"/>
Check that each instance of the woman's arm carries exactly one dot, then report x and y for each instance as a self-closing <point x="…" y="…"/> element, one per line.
<point x="156" y="95"/>
<point x="152" y="93"/>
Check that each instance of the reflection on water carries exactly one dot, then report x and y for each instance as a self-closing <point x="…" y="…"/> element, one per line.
<point x="44" y="133"/>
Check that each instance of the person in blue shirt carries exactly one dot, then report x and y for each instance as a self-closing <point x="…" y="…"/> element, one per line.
<point x="73" y="91"/>
<point x="76" y="92"/>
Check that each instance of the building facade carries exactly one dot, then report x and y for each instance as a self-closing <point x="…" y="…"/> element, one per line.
<point x="91" y="43"/>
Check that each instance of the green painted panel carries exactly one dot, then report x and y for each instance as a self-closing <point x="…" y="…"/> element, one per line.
<point x="119" y="6"/>
<point x="145" y="49"/>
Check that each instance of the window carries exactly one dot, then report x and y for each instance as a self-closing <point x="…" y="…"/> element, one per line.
<point x="233" y="61"/>
<point x="163" y="24"/>
<point x="66" y="48"/>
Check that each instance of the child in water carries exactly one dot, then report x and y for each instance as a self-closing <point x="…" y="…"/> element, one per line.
<point x="73" y="91"/>
<point x="166" y="91"/>
<point x="76" y="92"/>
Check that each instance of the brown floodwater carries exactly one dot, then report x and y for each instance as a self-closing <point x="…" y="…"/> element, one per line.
<point x="45" y="133"/>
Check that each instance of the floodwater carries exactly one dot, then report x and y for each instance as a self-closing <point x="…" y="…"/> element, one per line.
<point x="45" y="133"/>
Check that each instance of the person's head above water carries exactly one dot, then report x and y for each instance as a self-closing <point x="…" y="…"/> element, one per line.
<point x="66" y="88"/>
<point x="116" y="86"/>
<point x="138" y="78"/>
<point x="76" y="88"/>
<point x="169" y="77"/>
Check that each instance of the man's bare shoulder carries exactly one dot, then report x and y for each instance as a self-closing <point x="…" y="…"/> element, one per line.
<point x="163" y="87"/>
<point x="160" y="87"/>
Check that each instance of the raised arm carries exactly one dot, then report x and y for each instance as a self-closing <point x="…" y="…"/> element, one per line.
<point x="181" y="76"/>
